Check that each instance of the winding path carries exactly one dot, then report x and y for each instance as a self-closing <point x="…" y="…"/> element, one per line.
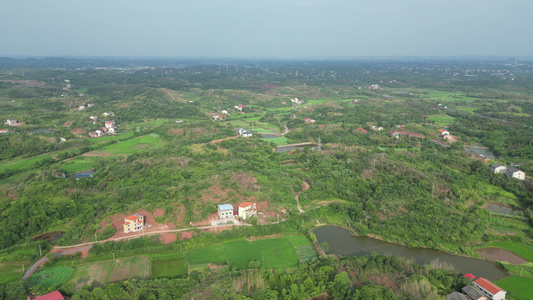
<point x="45" y="259"/>
<point x="306" y="187"/>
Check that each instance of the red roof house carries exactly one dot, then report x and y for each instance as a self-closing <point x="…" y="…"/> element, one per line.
<point x="488" y="288"/>
<point x="361" y="129"/>
<point x="55" y="295"/>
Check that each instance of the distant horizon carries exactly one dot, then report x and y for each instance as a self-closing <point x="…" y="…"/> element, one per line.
<point x="267" y="29"/>
<point x="318" y="58"/>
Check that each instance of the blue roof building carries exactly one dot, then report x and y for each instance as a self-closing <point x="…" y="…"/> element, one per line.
<point x="225" y="211"/>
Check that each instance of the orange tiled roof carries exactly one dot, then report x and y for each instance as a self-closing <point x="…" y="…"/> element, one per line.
<point x="246" y="204"/>
<point x="488" y="285"/>
<point x="131" y="218"/>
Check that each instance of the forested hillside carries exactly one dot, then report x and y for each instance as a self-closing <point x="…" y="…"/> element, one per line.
<point x="176" y="155"/>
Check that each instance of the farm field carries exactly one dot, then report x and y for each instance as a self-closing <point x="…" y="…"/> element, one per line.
<point x="22" y="163"/>
<point x="276" y="253"/>
<point x="519" y="248"/>
<point x="518" y="286"/>
<point x="210" y="254"/>
<point x="467" y="108"/>
<point x="50" y="278"/>
<point x="441" y="119"/>
<point x="91" y="273"/>
<point x="168" y="267"/>
<point x="132" y="145"/>
<point x="10" y="272"/>
<point x="449" y="96"/>
<point x="131" y="267"/>
<point x="76" y="165"/>
<point x="278" y="141"/>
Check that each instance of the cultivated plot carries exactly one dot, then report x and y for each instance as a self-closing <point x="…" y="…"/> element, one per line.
<point x="92" y="274"/>
<point x="131" y="267"/>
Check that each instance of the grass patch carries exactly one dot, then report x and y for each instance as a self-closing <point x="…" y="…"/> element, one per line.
<point x="278" y="141"/>
<point x="10" y="272"/>
<point x="518" y="286"/>
<point x="132" y="145"/>
<point x="73" y="166"/>
<point x="441" y="119"/>
<point x="50" y="278"/>
<point x="92" y="274"/>
<point x="467" y="108"/>
<point x="519" y="248"/>
<point x="169" y="267"/>
<point x="270" y="253"/>
<point x="131" y="267"/>
<point x="449" y="96"/>
<point x="211" y="254"/>
<point x="298" y="240"/>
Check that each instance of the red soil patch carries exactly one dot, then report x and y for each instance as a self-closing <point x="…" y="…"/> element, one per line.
<point x="384" y="281"/>
<point x="67" y="124"/>
<point x="96" y="154"/>
<point x="213" y="267"/>
<point x="168" y="238"/>
<point x="77" y="131"/>
<point x="187" y="235"/>
<point x="220" y="140"/>
<point x="159" y="212"/>
<point x="11" y="196"/>
<point x="177" y="131"/>
<point x="122" y="105"/>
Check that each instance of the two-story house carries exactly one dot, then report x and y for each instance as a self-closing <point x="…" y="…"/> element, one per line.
<point x="133" y="223"/>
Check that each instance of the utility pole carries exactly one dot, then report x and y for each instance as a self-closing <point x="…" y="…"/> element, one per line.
<point x="23" y="271"/>
<point x="40" y="253"/>
<point x="432" y="189"/>
<point x="181" y="249"/>
<point x="95" y="238"/>
<point x="113" y="256"/>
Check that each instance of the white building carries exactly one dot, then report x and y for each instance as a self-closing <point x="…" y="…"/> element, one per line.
<point x="247" y="210"/>
<point x="497" y="168"/>
<point x="225" y="211"/>
<point x="12" y="122"/>
<point x="515" y="173"/>
<point x="489" y="289"/>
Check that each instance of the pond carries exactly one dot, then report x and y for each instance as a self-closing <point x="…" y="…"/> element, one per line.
<point x="341" y="242"/>
<point x="480" y="150"/>
<point x="41" y="130"/>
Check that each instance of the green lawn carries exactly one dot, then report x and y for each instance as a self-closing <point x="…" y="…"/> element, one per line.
<point x="75" y="165"/>
<point x="442" y="119"/>
<point x="518" y="286"/>
<point x="270" y="253"/>
<point x="467" y="108"/>
<point x="10" y="272"/>
<point x="278" y="141"/>
<point x="210" y="254"/>
<point x="519" y="248"/>
<point x="50" y="278"/>
<point x="169" y="267"/>
<point x="22" y="164"/>
<point x="132" y="145"/>
<point x="298" y="240"/>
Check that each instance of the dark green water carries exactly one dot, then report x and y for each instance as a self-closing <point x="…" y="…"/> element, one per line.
<point x="341" y="242"/>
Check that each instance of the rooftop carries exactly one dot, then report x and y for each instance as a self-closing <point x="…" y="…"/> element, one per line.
<point x="488" y="285"/>
<point x="225" y="207"/>
<point x="245" y="204"/>
<point x="55" y="295"/>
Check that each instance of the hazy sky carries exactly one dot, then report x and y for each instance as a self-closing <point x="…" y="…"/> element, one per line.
<point x="266" y="28"/>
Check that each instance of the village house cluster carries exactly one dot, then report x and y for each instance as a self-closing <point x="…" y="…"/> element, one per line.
<point x="511" y="172"/>
<point x="481" y="289"/>
<point x="245" y="210"/>
<point x="108" y="128"/>
<point x="243" y="132"/>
